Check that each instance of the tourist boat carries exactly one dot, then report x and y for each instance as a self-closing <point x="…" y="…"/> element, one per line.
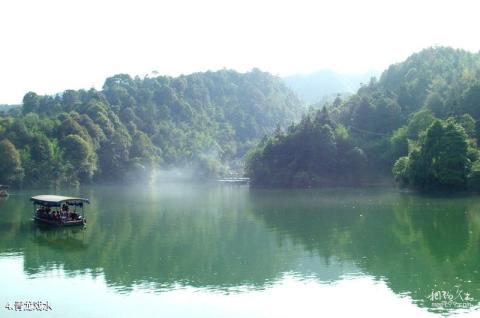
<point x="3" y="191"/>
<point x="59" y="210"/>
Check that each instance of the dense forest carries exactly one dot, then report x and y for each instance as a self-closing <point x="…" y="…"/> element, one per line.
<point x="418" y="123"/>
<point x="204" y="121"/>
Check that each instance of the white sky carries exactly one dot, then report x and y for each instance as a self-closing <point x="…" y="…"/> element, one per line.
<point x="48" y="46"/>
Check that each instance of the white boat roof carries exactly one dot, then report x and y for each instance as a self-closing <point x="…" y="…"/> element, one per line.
<point x="56" y="199"/>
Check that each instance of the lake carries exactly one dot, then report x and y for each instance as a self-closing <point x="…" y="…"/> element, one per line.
<point x="230" y="251"/>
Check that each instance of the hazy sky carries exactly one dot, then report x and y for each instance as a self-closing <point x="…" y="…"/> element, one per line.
<point x="48" y="46"/>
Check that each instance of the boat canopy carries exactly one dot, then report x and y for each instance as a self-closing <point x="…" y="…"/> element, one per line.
<point x="57" y="200"/>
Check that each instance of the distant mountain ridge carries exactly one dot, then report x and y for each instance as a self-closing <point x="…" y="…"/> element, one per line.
<point x="7" y="107"/>
<point x="317" y="86"/>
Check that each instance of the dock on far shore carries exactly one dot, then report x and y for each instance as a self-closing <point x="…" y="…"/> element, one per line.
<point x="235" y="180"/>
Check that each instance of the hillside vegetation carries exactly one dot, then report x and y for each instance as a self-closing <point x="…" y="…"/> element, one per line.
<point x="203" y="121"/>
<point x="419" y="119"/>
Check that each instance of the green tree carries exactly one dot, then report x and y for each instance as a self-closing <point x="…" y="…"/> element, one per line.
<point x="442" y="161"/>
<point x="435" y="103"/>
<point x="474" y="177"/>
<point x="11" y="171"/>
<point x="79" y="153"/>
<point x="31" y="103"/>
<point x="400" y="171"/>
<point x="468" y="124"/>
<point x="399" y="143"/>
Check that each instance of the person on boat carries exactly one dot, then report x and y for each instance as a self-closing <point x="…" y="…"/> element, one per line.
<point x="42" y="211"/>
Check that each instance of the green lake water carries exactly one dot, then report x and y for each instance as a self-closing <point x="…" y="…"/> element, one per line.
<point x="231" y="251"/>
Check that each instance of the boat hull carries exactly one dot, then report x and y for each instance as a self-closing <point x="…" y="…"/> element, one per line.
<point x="79" y="222"/>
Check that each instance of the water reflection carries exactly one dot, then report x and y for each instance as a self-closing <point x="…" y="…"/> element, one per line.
<point x="415" y="244"/>
<point x="233" y="238"/>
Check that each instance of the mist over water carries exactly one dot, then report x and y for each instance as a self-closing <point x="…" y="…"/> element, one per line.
<point x="162" y="176"/>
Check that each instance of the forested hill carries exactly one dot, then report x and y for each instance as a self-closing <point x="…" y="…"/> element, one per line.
<point x="358" y="140"/>
<point x="201" y="121"/>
